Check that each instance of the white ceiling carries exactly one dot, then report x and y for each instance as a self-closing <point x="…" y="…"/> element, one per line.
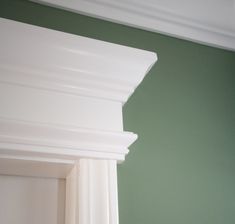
<point x="211" y="22"/>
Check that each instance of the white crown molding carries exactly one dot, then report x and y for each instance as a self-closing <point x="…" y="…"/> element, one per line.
<point x="62" y="62"/>
<point x="192" y="24"/>
<point x="61" y="100"/>
<point x="62" y="94"/>
<point x="45" y="71"/>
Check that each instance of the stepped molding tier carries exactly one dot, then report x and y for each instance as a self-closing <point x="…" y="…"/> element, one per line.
<point x="61" y="98"/>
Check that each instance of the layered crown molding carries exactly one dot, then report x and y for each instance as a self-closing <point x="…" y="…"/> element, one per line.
<point x="61" y="100"/>
<point x="53" y="60"/>
<point x="61" y="95"/>
<point x="208" y="22"/>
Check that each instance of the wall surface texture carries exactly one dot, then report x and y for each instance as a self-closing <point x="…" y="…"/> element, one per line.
<point x="182" y="168"/>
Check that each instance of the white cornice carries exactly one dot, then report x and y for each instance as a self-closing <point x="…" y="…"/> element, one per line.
<point x="61" y="98"/>
<point x="196" y="21"/>
<point x="48" y="59"/>
<point x="61" y="95"/>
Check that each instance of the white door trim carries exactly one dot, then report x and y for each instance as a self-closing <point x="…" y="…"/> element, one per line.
<point x="61" y="100"/>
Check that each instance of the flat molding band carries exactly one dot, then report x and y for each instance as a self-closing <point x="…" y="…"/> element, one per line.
<point x="46" y="141"/>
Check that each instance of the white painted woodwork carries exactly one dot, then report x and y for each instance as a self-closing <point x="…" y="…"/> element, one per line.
<point x="60" y="62"/>
<point x="61" y="100"/>
<point x="86" y="205"/>
<point x="34" y="166"/>
<point x="30" y="200"/>
<point x="60" y="143"/>
<point x="61" y="95"/>
<point x="210" y="22"/>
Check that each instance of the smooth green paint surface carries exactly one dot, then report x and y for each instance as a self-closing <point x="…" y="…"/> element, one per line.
<point x="182" y="168"/>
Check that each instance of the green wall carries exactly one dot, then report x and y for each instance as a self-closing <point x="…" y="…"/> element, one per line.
<point x="182" y="168"/>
